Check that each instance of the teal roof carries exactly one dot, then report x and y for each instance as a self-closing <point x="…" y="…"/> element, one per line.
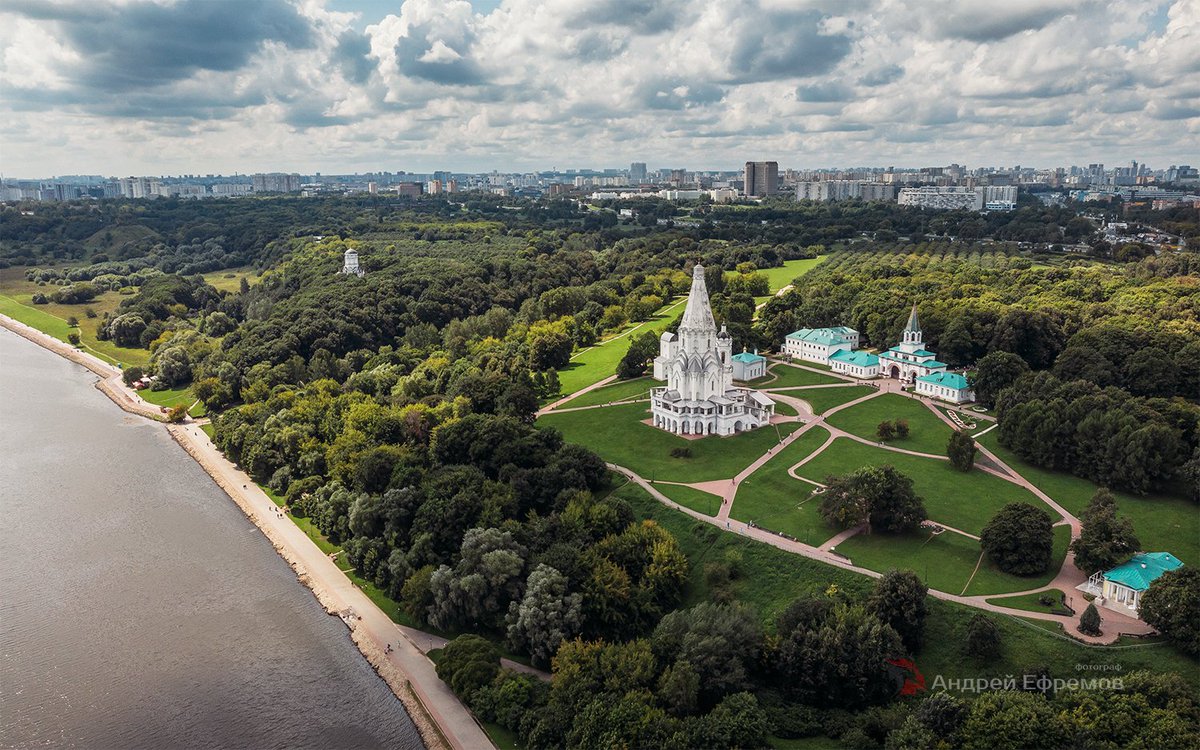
<point x="932" y="363"/>
<point x="946" y="380"/>
<point x="917" y="353"/>
<point x="749" y="358"/>
<point x="1143" y="569"/>
<point x="824" y="336"/>
<point x="856" y="357"/>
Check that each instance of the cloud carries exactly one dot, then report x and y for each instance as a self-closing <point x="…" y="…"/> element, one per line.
<point x="979" y="22"/>
<point x="143" y="44"/>
<point x="144" y="84"/>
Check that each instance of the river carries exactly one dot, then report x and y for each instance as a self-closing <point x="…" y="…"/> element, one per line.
<point x="138" y="607"/>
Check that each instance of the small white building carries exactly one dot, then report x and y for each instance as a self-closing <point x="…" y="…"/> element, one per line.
<point x="946" y="386"/>
<point x="747" y="366"/>
<point x="1121" y="589"/>
<point x="856" y="364"/>
<point x="350" y="264"/>
<point x="819" y="344"/>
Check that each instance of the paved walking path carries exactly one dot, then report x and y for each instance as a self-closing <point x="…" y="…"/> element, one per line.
<point x="555" y="404"/>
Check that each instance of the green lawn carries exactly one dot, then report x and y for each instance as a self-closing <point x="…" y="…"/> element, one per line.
<point x="965" y="501"/>
<point x="822" y="400"/>
<point x="1030" y="603"/>
<point x="618" y="435"/>
<point x="169" y="398"/>
<point x="689" y="497"/>
<point x="619" y="391"/>
<point x="1162" y="523"/>
<point x="786" y="410"/>
<point x="946" y="561"/>
<point x="787" y="376"/>
<point x="992" y="580"/>
<point x="230" y="279"/>
<point x="209" y="430"/>
<point x="600" y="361"/>
<point x="780" y="277"/>
<point x="927" y="433"/>
<point x="769" y="579"/>
<point x="775" y="500"/>
<point x="57" y="327"/>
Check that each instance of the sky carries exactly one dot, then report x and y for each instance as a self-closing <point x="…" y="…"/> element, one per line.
<point x="133" y="87"/>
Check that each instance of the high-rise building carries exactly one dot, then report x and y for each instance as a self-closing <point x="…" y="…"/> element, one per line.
<point x="840" y="190"/>
<point x="761" y="178"/>
<point x="276" y="182"/>
<point x="637" y="172"/>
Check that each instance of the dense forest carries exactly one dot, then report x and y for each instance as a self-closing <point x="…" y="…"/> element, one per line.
<point x="395" y="412"/>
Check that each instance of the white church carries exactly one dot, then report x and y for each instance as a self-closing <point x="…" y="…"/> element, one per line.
<point x="697" y="363"/>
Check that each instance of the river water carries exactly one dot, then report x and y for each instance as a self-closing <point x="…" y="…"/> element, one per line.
<point x="138" y="607"/>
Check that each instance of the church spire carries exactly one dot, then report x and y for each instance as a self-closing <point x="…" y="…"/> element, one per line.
<point x="913" y="325"/>
<point x="698" y="314"/>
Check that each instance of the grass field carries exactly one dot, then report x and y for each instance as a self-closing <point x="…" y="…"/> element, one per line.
<point x="618" y="435"/>
<point x="780" y="277"/>
<point x="1162" y="523"/>
<point x="689" y="497"/>
<point x="822" y="400"/>
<point x="786" y="410"/>
<point x="965" y="501"/>
<point x="775" y="500"/>
<point x="769" y="579"/>
<point x="947" y="561"/>
<point x="597" y="363"/>
<point x="619" y="391"/>
<point x="1030" y="603"/>
<point x="230" y="279"/>
<point x="787" y="376"/>
<point x="927" y="433"/>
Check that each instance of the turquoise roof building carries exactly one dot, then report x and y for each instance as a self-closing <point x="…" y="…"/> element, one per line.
<point x="858" y="357"/>
<point x="1143" y="569"/>
<point x="1121" y="589"/>
<point x="748" y="358"/>
<point x="947" y="386"/>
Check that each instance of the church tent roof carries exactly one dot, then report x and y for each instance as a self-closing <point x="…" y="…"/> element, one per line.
<point x="697" y="314"/>
<point x="913" y="325"/>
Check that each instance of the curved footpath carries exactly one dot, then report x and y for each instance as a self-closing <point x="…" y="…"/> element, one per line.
<point x="443" y="721"/>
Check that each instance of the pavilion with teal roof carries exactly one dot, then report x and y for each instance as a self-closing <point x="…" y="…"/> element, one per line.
<point x="1121" y="589"/>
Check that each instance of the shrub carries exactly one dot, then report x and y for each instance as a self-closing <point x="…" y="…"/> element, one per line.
<point x="1019" y="539"/>
<point x="1089" y="622"/>
<point x="983" y="638"/>
<point x="681" y="452"/>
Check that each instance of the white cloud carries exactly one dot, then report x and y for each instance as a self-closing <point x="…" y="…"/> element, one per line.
<point x="534" y="84"/>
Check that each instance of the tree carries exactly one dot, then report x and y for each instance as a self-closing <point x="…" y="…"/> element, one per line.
<point x="131" y="375"/>
<point x="72" y="321"/>
<point x="983" y="638"/>
<point x="911" y="735"/>
<point x="480" y="587"/>
<point x="1089" y="621"/>
<point x="1189" y="472"/>
<point x="468" y="663"/>
<point x="901" y="428"/>
<point x="126" y="330"/>
<point x="879" y="495"/>
<point x="545" y="617"/>
<point x="898" y="599"/>
<point x="1011" y="720"/>
<point x="177" y="414"/>
<point x="642" y="349"/>
<point x="1171" y="605"/>
<point x="550" y="345"/>
<point x="886" y="430"/>
<point x="961" y="450"/>
<point x="1019" y="539"/>
<point x="1105" y="540"/>
<point x="73" y="338"/>
<point x="857" y="676"/>
<point x="995" y="372"/>
<point x="720" y="642"/>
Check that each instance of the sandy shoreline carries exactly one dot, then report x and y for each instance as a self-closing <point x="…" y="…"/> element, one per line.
<point x="440" y="718"/>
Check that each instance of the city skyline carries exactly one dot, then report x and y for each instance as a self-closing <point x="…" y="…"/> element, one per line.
<point x="348" y="86"/>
